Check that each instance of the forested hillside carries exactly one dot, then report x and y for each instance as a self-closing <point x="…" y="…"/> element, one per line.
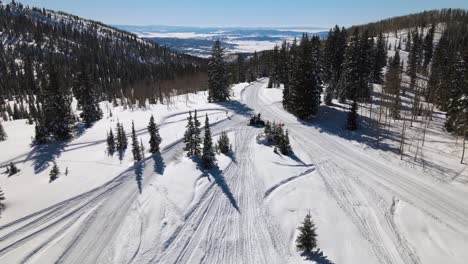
<point x="116" y="61"/>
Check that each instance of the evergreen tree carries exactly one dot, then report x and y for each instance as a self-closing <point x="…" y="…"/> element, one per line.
<point x="379" y="60"/>
<point x="87" y="97"/>
<point x="12" y="169"/>
<point x="121" y="138"/>
<point x="196" y="135"/>
<point x="307" y="239"/>
<point x="3" y="135"/>
<point x="351" y="122"/>
<point x="142" y="149"/>
<point x="188" y="136"/>
<point x="155" y="138"/>
<point x="428" y="46"/>
<point x="393" y="84"/>
<point x="223" y="143"/>
<point x="208" y="154"/>
<point x="457" y="110"/>
<point x="2" y="200"/>
<point x="58" y="117"/>
<point x="218" y="75"/>
<point x="54" y="173"/>
<point x="110" y="142"/>
<point x="135" y="145"/>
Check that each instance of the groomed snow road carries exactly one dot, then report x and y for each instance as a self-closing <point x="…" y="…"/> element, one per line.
<point x="230" y="220"/>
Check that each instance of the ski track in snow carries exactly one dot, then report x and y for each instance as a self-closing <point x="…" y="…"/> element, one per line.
<point x="346" y="173"/>
<point x="230" y="222"/>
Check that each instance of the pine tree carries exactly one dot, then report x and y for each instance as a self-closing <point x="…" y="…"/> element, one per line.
<point x="208" y="154"/>
<point x="197" y="140"/>
<point x="428" y="46"/>
<point x="58" y="117"/>
<point x="3" y="135"/>
<point x="223" y="143"/>
<point x="218" y="75"/>
<point x="351" y="122"/>
<point x="135" y="145"/>
<point x="121" y="140"/>
<point x="12" y="169"/>
<point x="2" y="200"/>
<point x="87" y="97"/>
<point x="155" y="138"/>
<point x="379" y="60"/>
<point x="188" y="136"/>
<point x="393" y="83"/>
<point x="54" y="173"/>
<point x="110" y="142"/>
<point x="307" y="239"/>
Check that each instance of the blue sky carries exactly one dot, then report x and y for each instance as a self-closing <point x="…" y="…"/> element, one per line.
<point x="242" y="12"/>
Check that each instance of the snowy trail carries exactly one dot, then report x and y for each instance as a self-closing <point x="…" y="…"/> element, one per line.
<point x="357" y="181"/>
<point x="224" y="226"/>
<point x="229" y="221"/>
<point x="92" y="218"/>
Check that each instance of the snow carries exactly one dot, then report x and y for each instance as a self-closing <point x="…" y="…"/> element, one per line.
<point x="367" y="204"/>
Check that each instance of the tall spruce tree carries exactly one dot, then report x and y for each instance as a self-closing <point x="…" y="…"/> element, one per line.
<point x="87" y="99"/>
<point x="136" y="151"/>
<point x="188" y="135"/>
<point x="155" y="138"/>
<point x="218" y="75"/>
<point x="58" y="117"/>
<point x="197" y="140"/>
<point x="392" y="84"/>
<point x="3" y="135"/>
<point x="379" y="59"/>
<point x="208" y="155"/>
<point x="351" y="121"/>
<point x="110" y="143"/>
<point x="2" y="200"/>
<point x="307" y="239"/>
<point x="428" y="46"/>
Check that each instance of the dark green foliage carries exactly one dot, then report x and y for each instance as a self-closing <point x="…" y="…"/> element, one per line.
<point x="54" y="173"/>
<point x="223" y="143"/>
<point x="192" y="137"/>
<point x="218" y="75"/>
<point x="307" y="239"/>
<point x="56" y="105"/>
<point x="457" y="109"/>
<point x="12" y="169"/>
<point x="155" y="138"/>
<point x="351" y="121"/>
<point x="304" y="80"/>
<point x="84" y="90"/>
<point x="275" y="135"/>
<point x="392" y="84"/>
<point x="121" y="139"/>
<point x="379" y="60"/>
<point x="208" y="157"/>
<point x="136" y="151"/>
<point x="2" y="200"/>
<point x="3" y="134"/>
<point x="110" y="142"/>
<point x="428" y="46"/>
<point x="188" y="135"/>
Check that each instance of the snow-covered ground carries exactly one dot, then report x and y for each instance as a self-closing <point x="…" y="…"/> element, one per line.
<point x="368" y="205"/>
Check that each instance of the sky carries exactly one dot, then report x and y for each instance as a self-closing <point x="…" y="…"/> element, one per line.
<point x="245" y="13"/>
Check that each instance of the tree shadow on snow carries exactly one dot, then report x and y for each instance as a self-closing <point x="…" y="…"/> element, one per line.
<point x="237" y="107"/>
<point x="43" y="154"/>
<point x="317" y="256"/>
<point x="333" y="121"/>
<point x="138" y="169"/>
<point x="159" y="165"/>
<point x="218" y="177"/>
